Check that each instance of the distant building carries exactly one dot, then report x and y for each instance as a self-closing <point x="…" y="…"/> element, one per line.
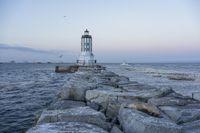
<point x="86" y="57"/>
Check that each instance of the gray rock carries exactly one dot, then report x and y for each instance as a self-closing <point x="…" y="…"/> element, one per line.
<point x="123" y="80"/>
<point x="104" y="81"/>
<point x="181" y="77"/>
<point x="134" y="86"/>
<point x="196" y="95"/>
<point x="191" y="127"/>
<point x="76" y="90"/>
<point x="115" y="129"/>
<point x="99" y="80"/>
<point x="114" y="79"/>
<point x="78" y="114"/>
<point x="109" y="83"/>
<point x="83" y="76"/>
<point x="133" y="121"/>
<point x="65" y="104"/>
<point x="66" y="127"/>
<point x="129" y="84"/>
<point x="93" y="106"/>
<point x="108" y="78"/>
<point x="112" y="98"/>
<point x="172" y="100"/>
<point x="114" y="104"/>
<point x="182" y="114"/>
<point x="100" y="95"/>
<point x="148" y="91"/>
<point x="108" y="74"/>
<point x="119" y="79"/>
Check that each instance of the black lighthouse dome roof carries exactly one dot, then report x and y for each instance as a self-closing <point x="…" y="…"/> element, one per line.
<point x="86" y="31"/>
<point x="86" y="34"/>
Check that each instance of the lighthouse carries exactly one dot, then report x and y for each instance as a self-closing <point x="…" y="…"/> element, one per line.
<point x="86" y="57"/>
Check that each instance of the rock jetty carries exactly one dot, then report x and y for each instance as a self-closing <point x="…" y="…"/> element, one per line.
<point x="100" y="101"/>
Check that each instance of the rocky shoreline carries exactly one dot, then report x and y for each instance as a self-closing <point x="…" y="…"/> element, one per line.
<point x="100" y="101"/>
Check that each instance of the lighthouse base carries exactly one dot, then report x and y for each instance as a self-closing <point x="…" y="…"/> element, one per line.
<point x="86" y="63"/>
<point x="86" y="59"/>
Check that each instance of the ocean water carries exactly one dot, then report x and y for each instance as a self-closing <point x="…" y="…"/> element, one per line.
<point x="157" y="75"/>
<point x="26" y="89"/>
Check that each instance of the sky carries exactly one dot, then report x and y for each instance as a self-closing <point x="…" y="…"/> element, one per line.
<point x="130" y="30"/>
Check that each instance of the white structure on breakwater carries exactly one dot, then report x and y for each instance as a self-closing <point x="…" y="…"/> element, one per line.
<point x="86" y="57"/>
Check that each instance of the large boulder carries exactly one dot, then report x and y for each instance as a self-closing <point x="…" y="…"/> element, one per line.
<point x="133" y="121"/>
<point x="181" y="76"/>
<point x="191" y="127"/>
<point x="196" y="95"/>
<point x="66" y="127"/>
<point x="111" y="99"/>
<point x="94" y="106"/>
<point x="119" y="80"/>
<point x="101" y="95"/>
<point x="172" y="99"/>
<point x="114" y="104"/>
<point x="148" y="91"/>
<point x="128" y="85"/>
<point x="108" y="74"/>
<point x="115" y="129"/>
<point x="78" y="114"/>
<point x="182" y="114"/>
<point x="108" y="78"/>
<point x="135" y="86"/>
<point x="75" y="90"/>
<point x="65" y="104"/>
<point x="99" y="80"/>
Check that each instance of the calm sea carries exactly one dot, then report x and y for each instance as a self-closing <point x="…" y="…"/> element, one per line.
<point x="26" y="89"/>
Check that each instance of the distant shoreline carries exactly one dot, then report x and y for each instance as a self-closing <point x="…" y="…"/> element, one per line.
<point x="100" y="63"/>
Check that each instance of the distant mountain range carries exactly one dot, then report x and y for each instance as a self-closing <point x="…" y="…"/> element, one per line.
<point x="10" y="53"/>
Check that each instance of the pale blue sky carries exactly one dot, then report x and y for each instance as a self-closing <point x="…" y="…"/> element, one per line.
<point x="135" y="31"/>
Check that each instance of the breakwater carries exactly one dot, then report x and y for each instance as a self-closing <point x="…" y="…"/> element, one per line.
<point x="95" y="100"/>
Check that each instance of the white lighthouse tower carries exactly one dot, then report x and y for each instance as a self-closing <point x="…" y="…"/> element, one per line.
<point x="86" y="57"/>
